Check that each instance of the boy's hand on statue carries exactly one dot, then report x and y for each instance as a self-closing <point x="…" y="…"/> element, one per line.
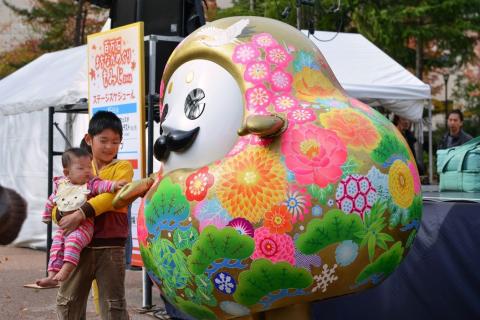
<point x="71" y="222"/>
<point x="120" y="184"/>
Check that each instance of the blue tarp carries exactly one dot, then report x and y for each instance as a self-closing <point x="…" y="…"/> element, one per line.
<point x="439" y="278"/>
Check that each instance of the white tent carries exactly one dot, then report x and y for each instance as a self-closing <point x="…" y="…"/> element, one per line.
<point x="60" y="78"/>
<point x="369" y="74"/>
<point x="54" y="79"/>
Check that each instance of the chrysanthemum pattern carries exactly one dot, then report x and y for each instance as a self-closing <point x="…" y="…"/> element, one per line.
<point x="251" y="183"/>
<point x="400" y="184"/>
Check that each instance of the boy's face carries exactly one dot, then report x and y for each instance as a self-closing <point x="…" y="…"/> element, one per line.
<point x="80" y="170"/>
<point x="104" y="145"/>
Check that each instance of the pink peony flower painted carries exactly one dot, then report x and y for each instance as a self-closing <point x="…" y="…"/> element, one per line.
<point x="315" y="155"/>
<point x="264" y="40"/>
<point x="274" y="247"/>
<point x="245" y="53"/>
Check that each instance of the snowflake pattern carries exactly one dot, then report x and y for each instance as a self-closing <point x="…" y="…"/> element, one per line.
<point x="225" y="283"/>
<point x="325" y="278"/>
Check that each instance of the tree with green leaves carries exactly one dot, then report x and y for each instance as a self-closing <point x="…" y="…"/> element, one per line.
<point x="418" y="33"/>
<point x="415" y="33"/>
<point x="467" y="93"/>
<point x="54" y="25"/>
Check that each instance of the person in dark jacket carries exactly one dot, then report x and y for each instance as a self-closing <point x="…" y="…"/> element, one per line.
<point x="455" y="135"/>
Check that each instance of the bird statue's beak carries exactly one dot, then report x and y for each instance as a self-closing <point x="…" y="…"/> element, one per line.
<point x="264" y="126"/>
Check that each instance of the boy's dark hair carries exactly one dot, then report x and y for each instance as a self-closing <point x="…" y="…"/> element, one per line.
<point x="84" y="145"/>
<point x="460" y="113"/>
<point x="71" y="153"/>
<point x="102" y="120"/>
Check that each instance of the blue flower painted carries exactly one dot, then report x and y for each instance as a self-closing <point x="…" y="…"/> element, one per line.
<point x="225" y="283"/>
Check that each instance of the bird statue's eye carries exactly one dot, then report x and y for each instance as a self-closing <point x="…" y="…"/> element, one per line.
<point x="193" y="105"/>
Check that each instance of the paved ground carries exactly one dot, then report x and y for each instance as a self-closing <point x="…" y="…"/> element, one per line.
<point x="19" y="266"/>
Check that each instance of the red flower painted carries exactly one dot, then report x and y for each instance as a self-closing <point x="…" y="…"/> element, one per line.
<point x="315" y="155"/>
<point x="198" y="184"/>
<point x="274" y="247"/>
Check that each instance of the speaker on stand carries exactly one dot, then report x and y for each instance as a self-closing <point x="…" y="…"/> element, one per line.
<point x="170" y="18"/>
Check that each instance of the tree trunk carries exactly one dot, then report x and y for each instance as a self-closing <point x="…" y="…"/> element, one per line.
<point x="252" y="5"/>
<point x="419" y="58"/>
<point x="78" y="24"/>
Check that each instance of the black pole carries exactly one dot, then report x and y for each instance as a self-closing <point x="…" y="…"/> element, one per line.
<point x="152" y="45"/>
<point x="445" y="78"/>
<point x="51" y="111"/>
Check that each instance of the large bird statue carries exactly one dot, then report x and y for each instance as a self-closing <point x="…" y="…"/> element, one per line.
<point x="277" y="188"/>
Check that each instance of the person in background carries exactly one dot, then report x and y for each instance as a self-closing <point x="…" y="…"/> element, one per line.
<point x="455" y="135"/>
<point x="403" y="125"/>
